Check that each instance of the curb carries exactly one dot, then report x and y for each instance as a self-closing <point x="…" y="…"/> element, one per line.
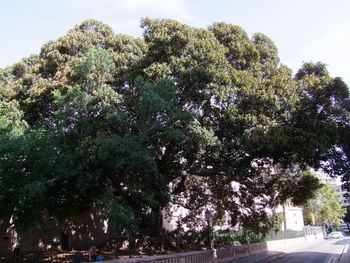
<point x="342" y="253"/>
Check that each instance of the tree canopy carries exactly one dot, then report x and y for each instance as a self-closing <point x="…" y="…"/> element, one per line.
<point x="178" y="116"/>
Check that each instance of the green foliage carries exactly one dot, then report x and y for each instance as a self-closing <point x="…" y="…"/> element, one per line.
<point x="116" y="211"/>
<point x="182" y="238"/>
<point x="304" y="187"/>
<point x="268" y="54"/>
<point x="238" y="237"/>
<point x="220" y="237"/>
<point x="347" y="215"/>
<point x="325" y="207"/>
<point x="11" y="122"/>
<point x="276" y="221"/>
<point x="95" y="69"/>
<point x="241" y="52"/>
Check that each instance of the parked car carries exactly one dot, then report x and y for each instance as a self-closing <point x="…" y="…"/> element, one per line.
<point x="335" y="235"/>
<point x="344" y="226"/>
<point x="326" y="236"/>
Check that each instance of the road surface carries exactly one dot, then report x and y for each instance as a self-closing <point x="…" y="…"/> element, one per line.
<point x="326" y="251"/>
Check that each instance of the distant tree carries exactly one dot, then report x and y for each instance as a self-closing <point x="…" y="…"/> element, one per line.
<point x="347" y="215"/>
<point x="325" y="207"/>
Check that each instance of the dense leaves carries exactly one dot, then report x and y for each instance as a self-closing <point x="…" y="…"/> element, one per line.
<point x="201" y="118"/>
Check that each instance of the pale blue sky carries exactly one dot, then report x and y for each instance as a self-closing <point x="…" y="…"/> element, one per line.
<point x="303" y="30"/>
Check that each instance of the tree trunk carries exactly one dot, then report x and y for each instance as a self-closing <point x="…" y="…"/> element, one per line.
<point x="159" y="221"/>
<point x="284" y="217"/>
<point x="5" y="240"/>
<point x="159" y="227"/>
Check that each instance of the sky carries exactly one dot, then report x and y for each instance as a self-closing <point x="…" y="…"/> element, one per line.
<point x="302" y="30"/>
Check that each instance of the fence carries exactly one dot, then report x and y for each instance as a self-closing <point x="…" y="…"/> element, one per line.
<point x="205" y="256"/>
<point x="220" y="255"/>
<point x="286" y="239"/>
<point x="287" y="234"/>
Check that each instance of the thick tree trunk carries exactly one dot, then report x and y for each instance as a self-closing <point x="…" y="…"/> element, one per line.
<point x="5" y="240"/>
<point x="159" y="228"/>
<point x="159" y="223"/>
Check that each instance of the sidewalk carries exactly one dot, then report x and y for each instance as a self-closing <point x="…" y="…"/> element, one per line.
<point x="259" y="258"/>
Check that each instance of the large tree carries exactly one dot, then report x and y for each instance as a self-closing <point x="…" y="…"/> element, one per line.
<point x="130" y="125"/>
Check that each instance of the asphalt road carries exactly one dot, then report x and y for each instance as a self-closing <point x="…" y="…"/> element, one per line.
<point x="346" y="254"/>
<point x="325" y="251"/>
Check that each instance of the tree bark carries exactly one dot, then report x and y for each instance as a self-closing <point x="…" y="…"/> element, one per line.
<point x="159" y="228"/>
<point x="5" y="225"/>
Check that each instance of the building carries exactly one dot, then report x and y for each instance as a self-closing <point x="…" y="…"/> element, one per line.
<point x="292" y="216"/>
<point x="337" y="185"/>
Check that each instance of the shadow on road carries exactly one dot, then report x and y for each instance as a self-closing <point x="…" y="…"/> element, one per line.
<point x="305" y="257"/>
<point x="341" y="242"/>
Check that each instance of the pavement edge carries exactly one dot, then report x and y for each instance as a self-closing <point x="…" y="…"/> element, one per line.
<point x="340" y="258"/>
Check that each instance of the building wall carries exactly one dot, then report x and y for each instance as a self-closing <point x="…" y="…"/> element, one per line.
<point x="294" y="218"/>
<point x="171" y="217"/>
<point x="337" y="185"/>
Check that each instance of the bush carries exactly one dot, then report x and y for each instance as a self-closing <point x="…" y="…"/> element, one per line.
<point x="181" y="237"/>
<point x="222" y="237"/>
<point x="229" y="237"/>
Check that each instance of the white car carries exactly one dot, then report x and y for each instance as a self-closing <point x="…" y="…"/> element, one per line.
<point x="336" y="235"/>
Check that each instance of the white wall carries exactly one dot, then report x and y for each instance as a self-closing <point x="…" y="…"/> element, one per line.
<point x="294" y="218"/>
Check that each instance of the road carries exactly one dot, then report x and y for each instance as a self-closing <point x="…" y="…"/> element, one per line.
<point x="321" y="252"/>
